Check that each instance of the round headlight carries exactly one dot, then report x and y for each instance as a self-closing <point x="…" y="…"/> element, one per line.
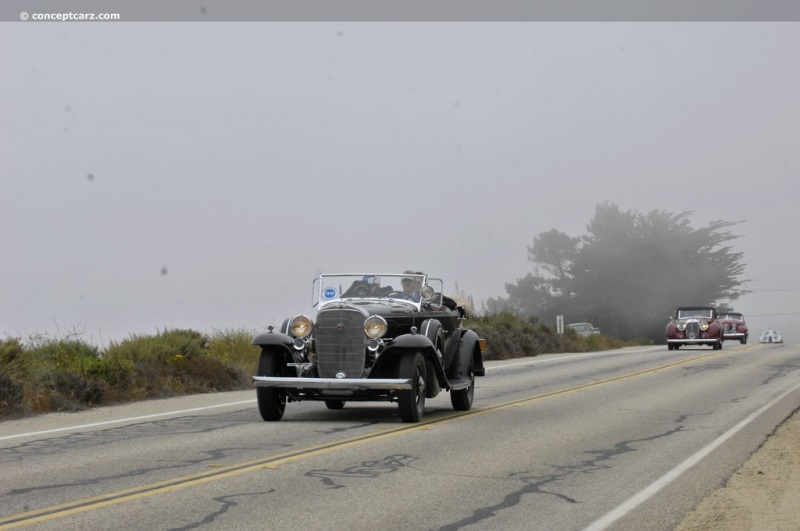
<point x="703" y="325"/>
<point x="301" y="326"/>
<point x="681" y="326"/>
<point x="375" y="327"/>
<point x="427" y="293"/>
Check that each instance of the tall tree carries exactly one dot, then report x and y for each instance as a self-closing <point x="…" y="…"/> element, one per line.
<point x="555" y="252"/>
<point x="630" y="271"/>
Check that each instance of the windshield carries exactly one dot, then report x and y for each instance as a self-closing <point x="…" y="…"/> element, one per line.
<point x="732" y="317"/>
<point x="703" y="313"/>
<point x="394" y="286"/>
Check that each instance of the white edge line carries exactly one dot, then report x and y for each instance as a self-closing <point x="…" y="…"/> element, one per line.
<point x="631" y="503"/>
<point x="129" y="419"/>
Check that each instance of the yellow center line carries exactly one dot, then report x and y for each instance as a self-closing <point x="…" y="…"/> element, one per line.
<point x="134" y="493"/>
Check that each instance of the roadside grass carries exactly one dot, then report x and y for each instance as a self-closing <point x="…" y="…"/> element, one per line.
<point x="46" y="374"/>
<point x="509" y="336"/>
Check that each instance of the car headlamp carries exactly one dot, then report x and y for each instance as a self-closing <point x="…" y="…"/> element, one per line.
<point x="427" y="293"/>
<point x="301" y="326"/>
<point x="375" y="327"/>
<point x="681" y="325"/>
<point x="703" y="325"/>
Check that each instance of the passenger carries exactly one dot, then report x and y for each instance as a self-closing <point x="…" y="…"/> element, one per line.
<point x="374" y="287"/>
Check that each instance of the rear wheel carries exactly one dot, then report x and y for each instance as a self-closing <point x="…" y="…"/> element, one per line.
<point x="271" y="400"/>
<point x="412" y="401"/>
<point x="334" y="404"/>
<point x="462" y="399"/>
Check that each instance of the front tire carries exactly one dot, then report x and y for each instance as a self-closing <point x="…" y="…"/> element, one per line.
<point x="271" y="400"/>
<point x="462" y="399"/>
<point x="334" y="404"/>
<point x="412" y="402"/>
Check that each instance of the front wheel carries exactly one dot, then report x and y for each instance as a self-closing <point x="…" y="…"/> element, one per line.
<point x="462" y="399"/>
<point x="412" y="401"/>
<point x="271" y="401"/>
<point x="334" y="404"/>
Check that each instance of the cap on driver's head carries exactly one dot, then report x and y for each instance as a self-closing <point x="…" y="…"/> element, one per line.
<point x="408" y="272"/>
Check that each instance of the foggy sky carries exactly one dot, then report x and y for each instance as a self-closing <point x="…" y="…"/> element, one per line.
<point x="199" y="175"/>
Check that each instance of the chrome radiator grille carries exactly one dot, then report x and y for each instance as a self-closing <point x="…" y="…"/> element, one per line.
<point x="693" y="330"/>
<point x="340" y="343"/>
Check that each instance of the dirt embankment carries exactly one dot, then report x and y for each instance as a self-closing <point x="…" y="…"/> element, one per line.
<point x="762" y="495"/>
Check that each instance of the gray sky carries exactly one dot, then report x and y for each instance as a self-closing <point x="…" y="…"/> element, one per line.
<point x="245" y="158"/>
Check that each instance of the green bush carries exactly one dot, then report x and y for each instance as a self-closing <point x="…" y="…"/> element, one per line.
<point x="165" y="347"/>
<point x="11" y="395"/>
<point x="235" y="346"/>
<point x="509" y="336"/>
<point x="10" y="350"/>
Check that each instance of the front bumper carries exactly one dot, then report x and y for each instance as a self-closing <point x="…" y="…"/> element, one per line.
<point x="734" y="335"/>
<point x="696" y="341"/>
<point x="343" y="384"/>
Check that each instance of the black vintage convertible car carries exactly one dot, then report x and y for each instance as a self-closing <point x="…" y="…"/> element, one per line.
<point x="387" y="337"/>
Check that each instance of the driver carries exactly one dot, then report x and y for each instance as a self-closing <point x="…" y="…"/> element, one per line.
<point x="412" y="284"/>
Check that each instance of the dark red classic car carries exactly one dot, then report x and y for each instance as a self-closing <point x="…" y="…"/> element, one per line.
<point x="694" y="325"/>
<point x="733" y="326"/>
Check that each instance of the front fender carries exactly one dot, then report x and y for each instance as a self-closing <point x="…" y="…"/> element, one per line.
<point x="273" y="339"/>
<point x="469" y="353"/>
<point x="413" y="341"/>
<point x="422" y="344"/>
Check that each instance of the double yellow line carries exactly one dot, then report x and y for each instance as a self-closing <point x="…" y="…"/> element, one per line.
<point x="105" y="500"/>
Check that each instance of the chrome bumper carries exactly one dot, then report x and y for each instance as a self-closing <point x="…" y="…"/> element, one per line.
<point x="399" y="384"/>
<point x="710" y="340"/>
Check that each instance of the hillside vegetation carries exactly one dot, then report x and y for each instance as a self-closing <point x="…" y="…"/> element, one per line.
<point x="43" y="375"/>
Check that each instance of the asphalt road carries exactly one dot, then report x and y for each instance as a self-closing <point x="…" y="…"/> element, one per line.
<point x="628" y="439"/>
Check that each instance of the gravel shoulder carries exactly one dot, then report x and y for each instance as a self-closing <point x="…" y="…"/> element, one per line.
<point x="764" y="494"/>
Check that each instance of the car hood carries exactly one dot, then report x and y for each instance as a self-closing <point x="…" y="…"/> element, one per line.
<point x="383" y="308"/>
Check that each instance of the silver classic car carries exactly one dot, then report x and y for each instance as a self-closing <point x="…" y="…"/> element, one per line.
<point x="770" y="336"/>
<point x="376" y="337"/>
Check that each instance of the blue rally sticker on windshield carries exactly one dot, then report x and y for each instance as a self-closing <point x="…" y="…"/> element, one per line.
<point x="329" y="293"/>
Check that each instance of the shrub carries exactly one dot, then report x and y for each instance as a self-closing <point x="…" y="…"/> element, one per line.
<point x="164" y="347"/>
<point x="11" y="396"/>
<point x="509" y="336"/>
<point x="10" y="350"/>
<point x="235" y="346"/>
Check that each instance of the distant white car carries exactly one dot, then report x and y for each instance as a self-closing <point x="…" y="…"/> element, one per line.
<point x="770" y="336"/>
<point x="583" y="329"/>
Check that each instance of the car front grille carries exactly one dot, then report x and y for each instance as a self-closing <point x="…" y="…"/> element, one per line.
<point x="340" y="343"/>
<point x="693" y="330"/>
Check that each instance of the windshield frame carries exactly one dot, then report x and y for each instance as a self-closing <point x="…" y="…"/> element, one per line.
<point x="697" y="313"/>
<point x="331" y="288"/>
